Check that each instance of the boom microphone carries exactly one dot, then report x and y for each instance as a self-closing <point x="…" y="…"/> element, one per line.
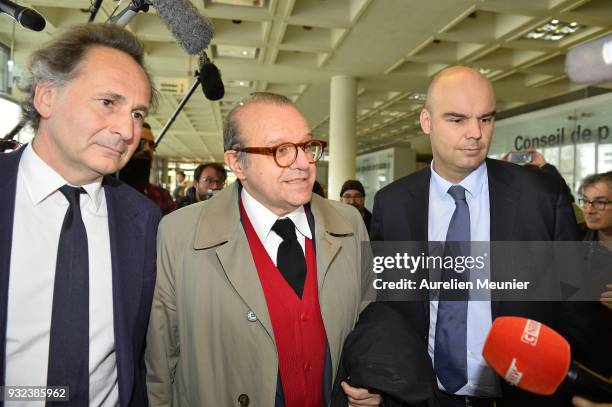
<point x="535" y="358"/>
<point x="126" y="15"/>
<point x="192" y="31"/>
<point x="590" y="62"/>
<point x="210" y="78"/>
<point x="27" y="17"/>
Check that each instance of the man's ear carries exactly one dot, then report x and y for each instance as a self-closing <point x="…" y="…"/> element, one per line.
<point x="44" y="97"/>
<point x="236" y="165"/>
<point x="425" y="120"/>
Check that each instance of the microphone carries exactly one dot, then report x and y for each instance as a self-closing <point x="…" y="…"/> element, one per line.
<point x="537" y="359"/>
<point x="210" y="78"/>
<point x="127" y="14"/>
<point x="27" y="17"/>
<point x="591" y="62"/>
<point x="192" y="31"/>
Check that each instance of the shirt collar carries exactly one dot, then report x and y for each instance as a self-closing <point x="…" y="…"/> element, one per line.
<point x="263" y="219"/>
<point x="473" y="183"/>
<point x="41" y="181"/>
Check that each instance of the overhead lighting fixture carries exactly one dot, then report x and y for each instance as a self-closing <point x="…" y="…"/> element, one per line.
<point x="244" y="3"/>
<point x="417" y="96"/>
<point x="554" y="31"/>
<point x="237" y="83"/>
<point x="235" y="51"/>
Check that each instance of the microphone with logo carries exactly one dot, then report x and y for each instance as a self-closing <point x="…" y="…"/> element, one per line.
<point x="27" y="17"/>
<point x="537" y="359"/>
<point x="591" y="62"/>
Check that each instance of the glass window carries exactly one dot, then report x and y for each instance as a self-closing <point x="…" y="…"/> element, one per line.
<point x="585" y="161"/>
<point x="604" y="159"/>
<point x="4" y="68"/>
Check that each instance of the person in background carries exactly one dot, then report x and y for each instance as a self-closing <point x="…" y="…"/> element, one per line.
<point x="181" y="185"/>
<point x="77" y="246"/>
<point x="538" y="161"/>
<point x="137" y="172"/>
<point x="208" y="179"/>
<point x="353" y="193"/>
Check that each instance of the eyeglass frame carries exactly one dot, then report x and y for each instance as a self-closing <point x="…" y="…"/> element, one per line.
<point x="272" y="150"/>
<point x="210" y="180"/>
<point x="584" y="202"/>
<point x="360" y="196"/>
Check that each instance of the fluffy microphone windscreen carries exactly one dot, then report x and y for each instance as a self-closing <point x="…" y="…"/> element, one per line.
<point x="527" y="354"/>
<point x="192" y="31"/>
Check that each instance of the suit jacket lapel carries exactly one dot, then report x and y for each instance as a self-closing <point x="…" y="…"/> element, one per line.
<point x="230" y="242"/>
<point x="126" y="232"/>
<point x="328" y="226"/>
<point x="503" y="204"/>
<point x="9" y="165"/>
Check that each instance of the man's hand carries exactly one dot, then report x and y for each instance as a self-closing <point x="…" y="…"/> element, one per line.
<point x="360" y="397"/>
<point x="580" y="402"/>
<point x="536" y="157"/>
<point x="606" y="297"/>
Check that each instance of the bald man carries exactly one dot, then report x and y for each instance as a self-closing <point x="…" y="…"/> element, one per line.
<point x="465" y="196"/>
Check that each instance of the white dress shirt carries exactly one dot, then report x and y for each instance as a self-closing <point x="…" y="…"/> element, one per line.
<point x="263" y="219"/>
<point x="482" y="380"/>
<point x="39" y="213"/>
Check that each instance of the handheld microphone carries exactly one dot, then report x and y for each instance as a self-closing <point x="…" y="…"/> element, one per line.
<point x="192" y="31"/>
<point x="210" y="78"/>
<point x="537" y="359"/>
<point x="27" y="17"/>
<point x="591" y="62"/>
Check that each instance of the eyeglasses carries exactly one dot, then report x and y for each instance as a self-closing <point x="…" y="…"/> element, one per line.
<point x="144" y="142"/>
<point x="285" y="154"/>
<point x="213" y="181"/>
<point x="356" y="196"/>
<point x="598" y="205"/>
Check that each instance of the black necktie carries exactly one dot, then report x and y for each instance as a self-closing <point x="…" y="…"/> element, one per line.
<point x="450" y="352"/>
<point x="69" y="338"/>
<point x="290" y="257"/>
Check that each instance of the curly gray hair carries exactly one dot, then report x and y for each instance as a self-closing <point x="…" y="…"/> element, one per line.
<point x="57" y="62"/>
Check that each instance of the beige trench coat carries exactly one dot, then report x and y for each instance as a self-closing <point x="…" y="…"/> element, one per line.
<point x="210" y="339"/>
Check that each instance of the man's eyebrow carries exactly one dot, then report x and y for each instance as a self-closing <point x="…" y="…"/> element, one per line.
<point x="488" y="114"/>
<point x="454" y="115"/>
<point x="120" y="98"/>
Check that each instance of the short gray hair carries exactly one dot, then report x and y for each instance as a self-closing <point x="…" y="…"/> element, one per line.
<point x="594" y="179"/>
<point x="57" y="62"/>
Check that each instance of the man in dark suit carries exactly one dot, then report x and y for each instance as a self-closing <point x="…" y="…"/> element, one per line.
<point x="77" y="247"/>
<point x="488" y="200"/>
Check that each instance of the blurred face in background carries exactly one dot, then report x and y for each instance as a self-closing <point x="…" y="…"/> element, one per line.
<point x="600" y="193"/>
<point x="210" y="179"/>
<point x="353" y="197"/>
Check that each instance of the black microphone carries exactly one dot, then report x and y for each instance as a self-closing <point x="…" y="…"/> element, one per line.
<point x="591" y="62"/>
<point x="210" y="78"/>
<point x="27" y="17"/>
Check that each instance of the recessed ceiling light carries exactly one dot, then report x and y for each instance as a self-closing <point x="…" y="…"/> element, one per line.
<point x="573" y="24"/>
<point x="555" y="21"/>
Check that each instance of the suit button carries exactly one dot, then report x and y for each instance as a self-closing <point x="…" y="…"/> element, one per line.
<point x="251" y="316"/>
<point x="303" y="316"/>
<point x="243" y="400"/>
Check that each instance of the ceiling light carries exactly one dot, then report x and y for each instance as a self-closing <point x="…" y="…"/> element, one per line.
<point x="555" y="21"/>
<point x="554" y="31"/>
<point x="573" y="24"/>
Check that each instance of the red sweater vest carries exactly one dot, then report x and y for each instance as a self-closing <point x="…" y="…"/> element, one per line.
<point x="299" y="332"/>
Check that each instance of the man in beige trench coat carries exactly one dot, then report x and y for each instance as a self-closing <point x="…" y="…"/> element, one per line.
<point x="258" y="287"/>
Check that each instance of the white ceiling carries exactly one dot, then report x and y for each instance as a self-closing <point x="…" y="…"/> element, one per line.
<point x="392" y="46"/>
